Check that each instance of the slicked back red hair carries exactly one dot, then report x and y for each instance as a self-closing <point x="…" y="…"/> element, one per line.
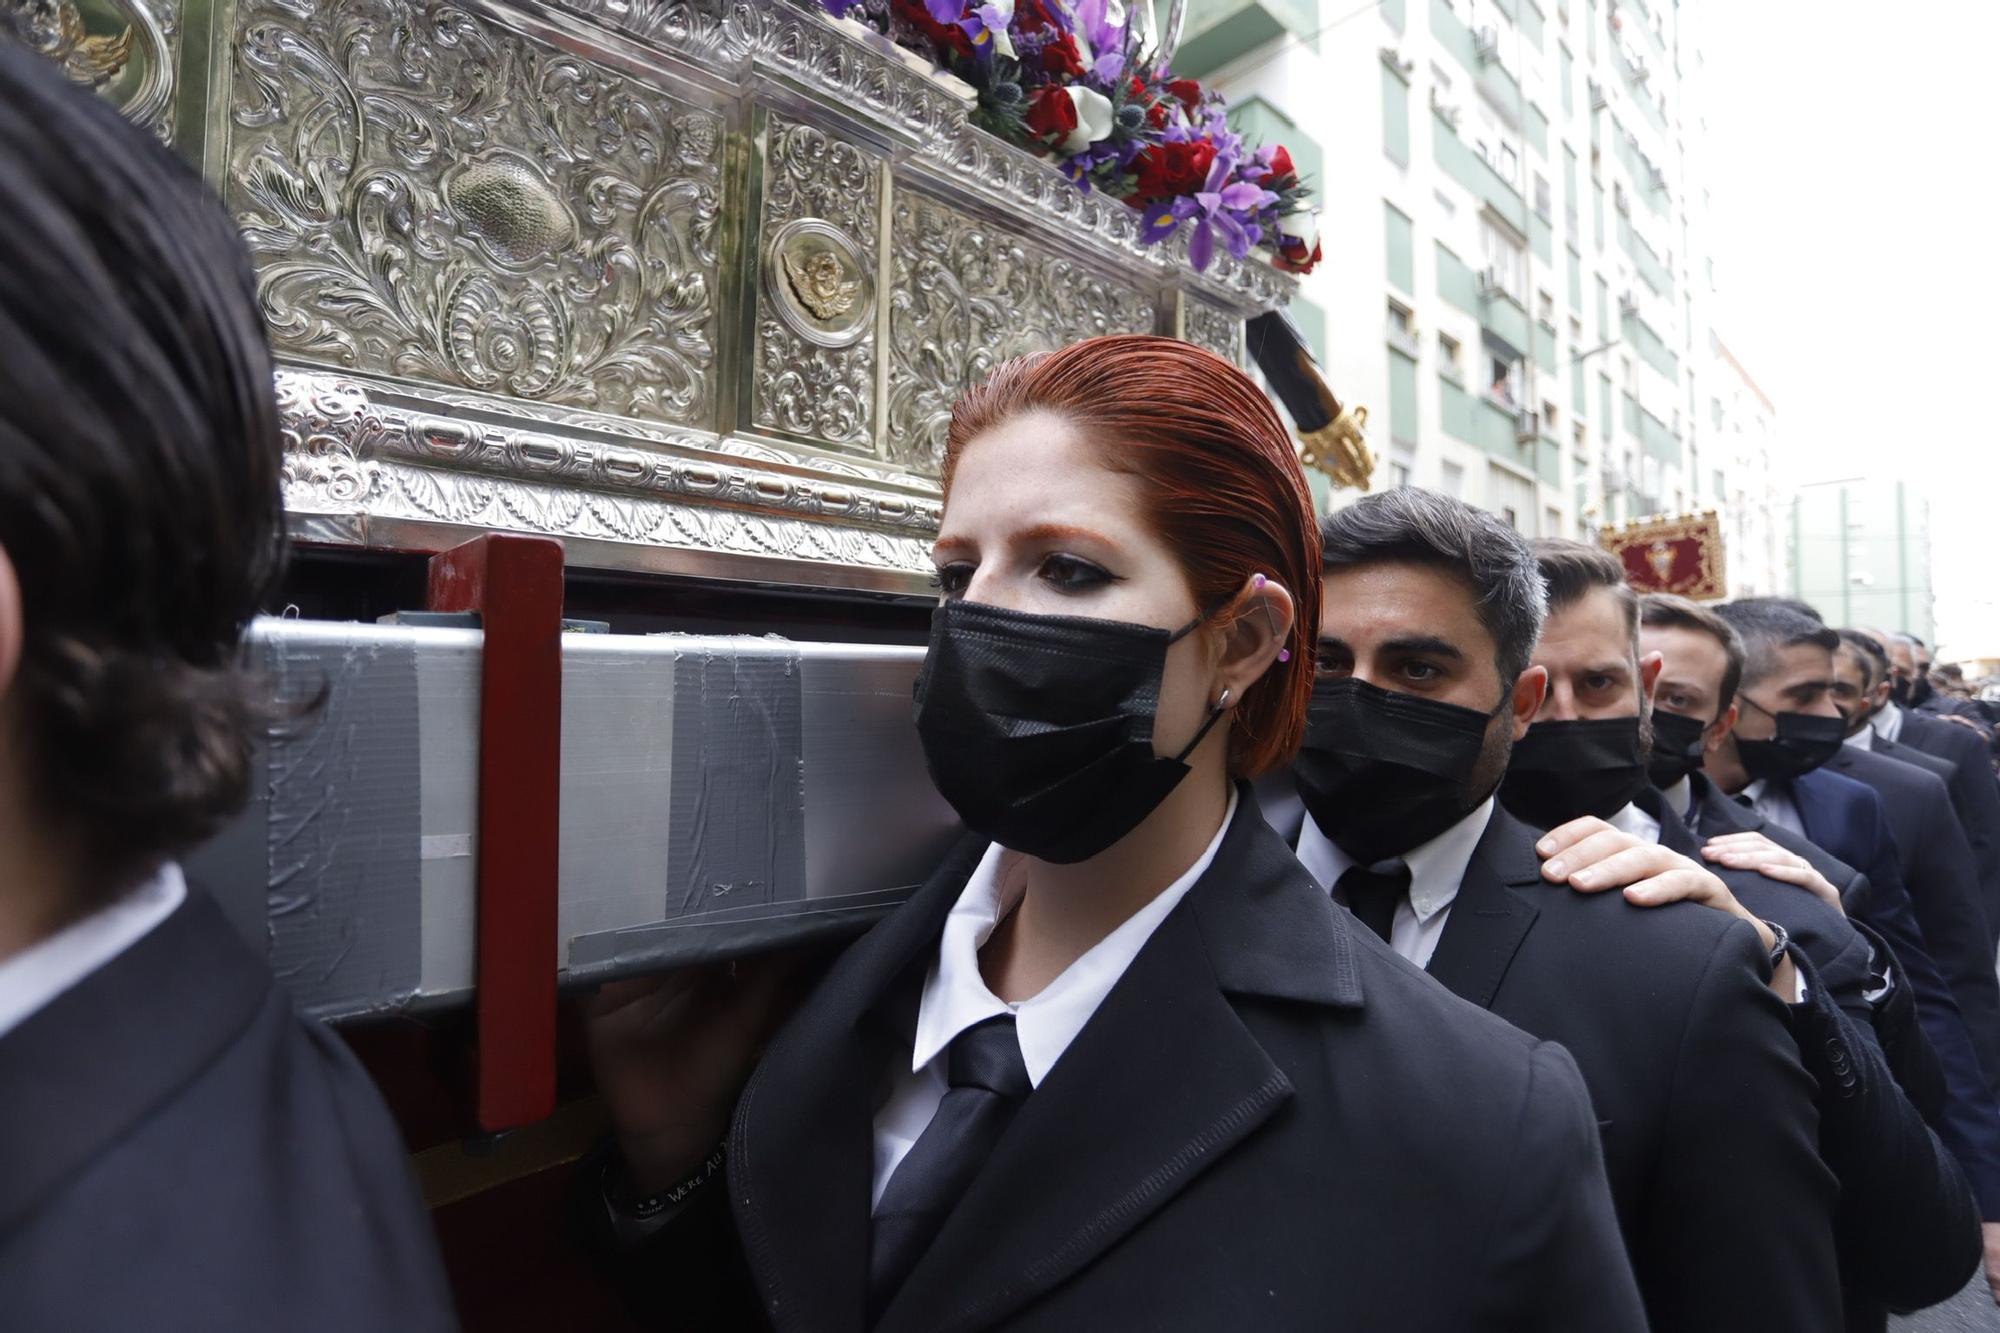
<point x="1222" y="481"/>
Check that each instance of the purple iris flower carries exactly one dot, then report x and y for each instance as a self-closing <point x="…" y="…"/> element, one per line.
<point x="945" y="12"/>
<point x="1223" y="208"/>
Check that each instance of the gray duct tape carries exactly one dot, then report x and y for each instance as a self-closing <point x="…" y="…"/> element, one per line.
<point x="735" y="821"/>
<point x="344" y="875"/>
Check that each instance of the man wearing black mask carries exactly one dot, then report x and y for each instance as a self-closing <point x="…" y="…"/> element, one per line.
<point x="1702" y="661"/>
<point x="1430" y="612"/>
<point x="1786" y="691"/>
<point x="1974" y="795"/>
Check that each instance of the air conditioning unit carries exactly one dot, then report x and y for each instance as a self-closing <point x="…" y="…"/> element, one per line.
<point x="1527" y="426"/>
<point x="1489" y="281"/>
<point x="1486" y="45"/>
<point x="1628" y="306"/>
<point x="1598" y="100"/>
<point x="1641" y="71"/>
<point x="1658" y="178"/>
<point x="1450" y="114"/>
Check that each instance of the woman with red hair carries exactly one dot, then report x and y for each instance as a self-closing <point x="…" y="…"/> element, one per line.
<point x="1120" y="1063"/>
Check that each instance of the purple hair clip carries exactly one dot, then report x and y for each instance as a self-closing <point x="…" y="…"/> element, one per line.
<point x="1284" y="654"/>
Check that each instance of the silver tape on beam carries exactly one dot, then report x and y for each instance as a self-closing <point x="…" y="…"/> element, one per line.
<point x="719" y="796"/>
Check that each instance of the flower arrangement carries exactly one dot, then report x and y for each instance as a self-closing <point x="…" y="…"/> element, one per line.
<point x="1068" y="79"/>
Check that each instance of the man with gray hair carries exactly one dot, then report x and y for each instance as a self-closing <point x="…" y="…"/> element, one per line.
<point x="1430" y="614"/>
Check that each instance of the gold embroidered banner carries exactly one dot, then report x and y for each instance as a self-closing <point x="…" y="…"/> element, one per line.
<point x="1671" y="553"/>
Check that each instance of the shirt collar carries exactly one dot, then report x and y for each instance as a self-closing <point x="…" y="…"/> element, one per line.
<point x="1864" y="739"/>
<point x="956" y="996"/>
<point x="1636" y="822"/>
<point x="1888" y="723"/>
<point x="1754" y="792"/>
<point x="34" y="977"/>
<point x="1437" y="868"/>
<point x="1679" y="796"/>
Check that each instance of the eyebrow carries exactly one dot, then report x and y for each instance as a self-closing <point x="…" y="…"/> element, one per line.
<point x="1409" y="643"/>
<point x="944" y="544"/>
<point x="1040" y="532"/>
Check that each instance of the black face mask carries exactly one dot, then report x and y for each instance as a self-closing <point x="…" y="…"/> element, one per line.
<point x="1382" y="772"/>
<point x="1802" y="744"/>
<point x="1565" y="770"/>
<point x="1677" y="748"/>
<point x="1899" y="692"/>
<point x="1920" y="691"/>
<point x="1039" y="729"/>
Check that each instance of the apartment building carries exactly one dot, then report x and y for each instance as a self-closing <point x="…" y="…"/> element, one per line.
<point x="1512" y="222"/>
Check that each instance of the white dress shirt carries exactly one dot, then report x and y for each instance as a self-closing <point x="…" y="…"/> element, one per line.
<point x="1436" y="870"/>
<point x="1888" y="723"/>
<point x="955" y="997"/>
<point x="1864" y="739"/>
<point x="34" y="977"/>
<point x="1636" y="822"/>
<point x="1775" y="804"/>
<point x="1679" y="796"/>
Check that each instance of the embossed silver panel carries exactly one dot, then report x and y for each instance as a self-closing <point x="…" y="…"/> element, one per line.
<point x="967" y="295"/>
<point x="691" y="284"/>
<point x="430" y="196"/>
<point x="815" y="358"/>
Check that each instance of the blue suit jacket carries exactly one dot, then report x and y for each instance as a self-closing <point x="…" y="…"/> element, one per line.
<point x="1849" y="820"/>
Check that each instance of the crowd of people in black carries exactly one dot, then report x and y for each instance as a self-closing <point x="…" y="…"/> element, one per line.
<point x="1377" y="922"/>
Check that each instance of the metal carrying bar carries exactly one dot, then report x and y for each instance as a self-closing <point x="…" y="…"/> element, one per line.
<point x="717" y="796"/>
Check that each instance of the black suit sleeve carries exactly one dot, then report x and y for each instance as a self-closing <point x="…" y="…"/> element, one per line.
<point x="1558" y="1259"/>
<point x="1906" y="1227"/>
<point x="1738" y="1225"/>
<point x="690" y="1275"/>
<point x="1944" y="890"/>
<point x="1911" y="1057"/>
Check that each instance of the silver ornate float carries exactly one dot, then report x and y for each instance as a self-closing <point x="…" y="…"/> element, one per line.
<point x="691" y="284"/>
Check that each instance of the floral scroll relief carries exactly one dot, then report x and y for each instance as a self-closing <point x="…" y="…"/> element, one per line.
<point x="815" y="314"/>
<point x="429" y="196"/>
<point x="1220" y="331"/>
<point x="967" y="296"/>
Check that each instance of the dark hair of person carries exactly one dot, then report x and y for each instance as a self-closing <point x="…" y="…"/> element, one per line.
<point x="1874" y="658"/>
<point x="1663" y="610"/>
<point x="1573" y="570"/>
<point x="1792" y="604"/>
<point x="1429" y="528"/>
<point x="1768" y="625"/>
<point x="1222" y="482"/>
<point x="139" y="456"/>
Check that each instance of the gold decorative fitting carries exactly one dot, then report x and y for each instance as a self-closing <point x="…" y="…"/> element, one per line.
<point x="1339" y="450"/>
<point x="821" y="284"/>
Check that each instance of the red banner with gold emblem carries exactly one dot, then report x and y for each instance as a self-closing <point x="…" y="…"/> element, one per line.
<point x="1678" y="554"/>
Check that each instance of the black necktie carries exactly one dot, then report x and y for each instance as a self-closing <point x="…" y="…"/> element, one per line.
<point x="1373" y="897"/>
<point x="988" y="1081"/>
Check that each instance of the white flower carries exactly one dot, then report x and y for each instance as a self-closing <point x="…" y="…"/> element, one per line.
<point x="1002" y="35"/>
<point x="1302" y="226"/>
<point x="1093" y="118"/>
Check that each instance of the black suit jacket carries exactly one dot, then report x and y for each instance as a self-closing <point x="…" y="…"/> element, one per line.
<point x="1271" y="1122"/>
<point x="180" y="1151"/>
<point x="1909" y="1052"/>
<point x="1974" y="794"/>
<point x="1943" y="882"/>
<point x="1701" y="1100"/>
<point x="1907" y="1227"/>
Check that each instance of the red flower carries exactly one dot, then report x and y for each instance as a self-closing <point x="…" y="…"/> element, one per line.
<point x="1031" y="16"/>
<point x="1187" y="92"/>
<point x="1156" y="115"/>
<point x="1169" y="170"/>
<point x="950" y="36"/>
<point x="1291" y="257"/>
<point x="1062" y="58"/>
<point x="1138" y="92"/>
<point x="1282" y="171"/>
<point x="1051" y="115"/>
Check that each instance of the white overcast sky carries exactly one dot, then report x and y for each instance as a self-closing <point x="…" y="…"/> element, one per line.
<point x="1856" y="185"/>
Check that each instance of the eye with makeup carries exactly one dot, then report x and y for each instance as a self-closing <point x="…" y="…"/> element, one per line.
<point x="1070" y="574"/>
<point x="953" y="578"/>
